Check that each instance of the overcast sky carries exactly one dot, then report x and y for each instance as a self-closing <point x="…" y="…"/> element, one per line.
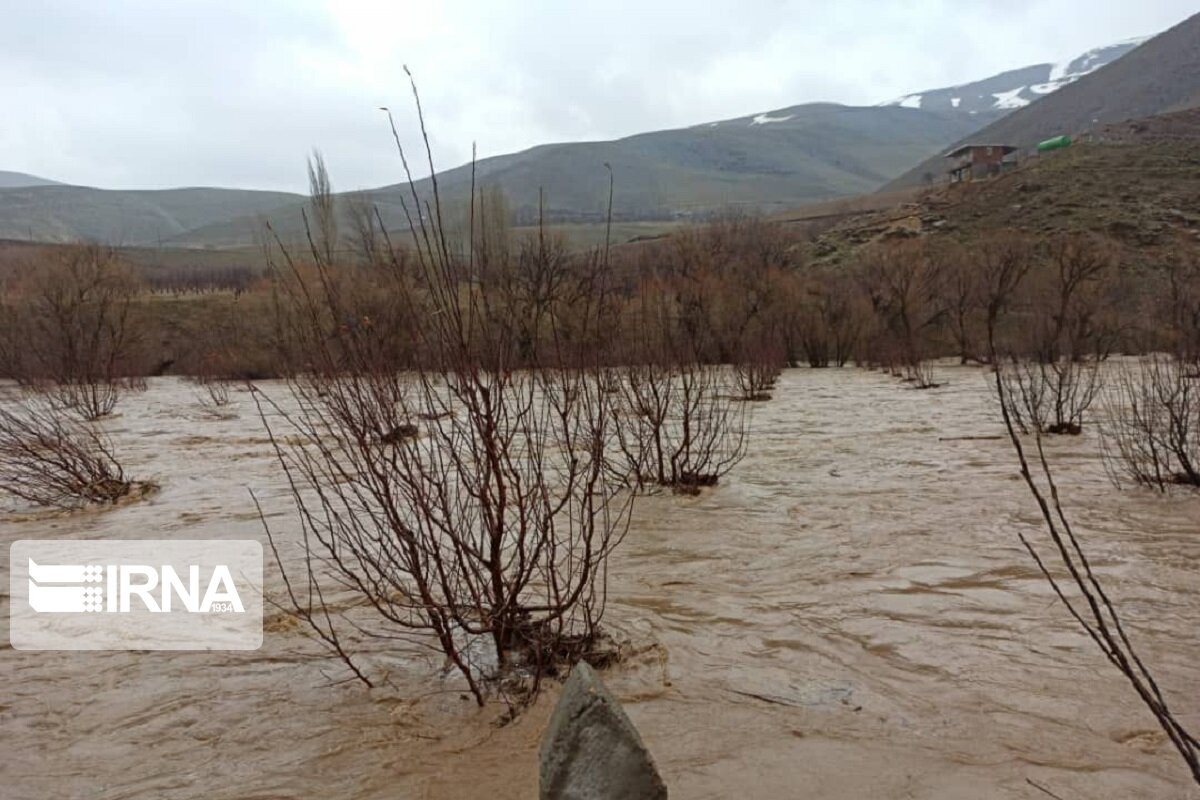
<point x="158" y="93"/>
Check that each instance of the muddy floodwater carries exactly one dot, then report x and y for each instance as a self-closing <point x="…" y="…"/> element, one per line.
<point x="849" y="615"/>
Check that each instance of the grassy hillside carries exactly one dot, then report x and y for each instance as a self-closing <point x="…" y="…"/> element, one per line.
<point x="1139" y="184"/>
<point x="771" y="161"/>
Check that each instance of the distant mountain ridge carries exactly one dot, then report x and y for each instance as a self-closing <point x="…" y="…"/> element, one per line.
<point x="769" y="161"/>
<point x="819" y="151"/>
<point x="60" y="213"/>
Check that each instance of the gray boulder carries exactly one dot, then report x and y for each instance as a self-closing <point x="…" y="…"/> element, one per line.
<point x="591" y="751"/>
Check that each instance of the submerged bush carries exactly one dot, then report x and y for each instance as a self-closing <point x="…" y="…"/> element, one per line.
<point x="51" y="459"/>
<point x="1151" y="432"/>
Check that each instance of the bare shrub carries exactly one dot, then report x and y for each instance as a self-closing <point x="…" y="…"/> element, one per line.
<point x="680" y="422"/>
<point x="1050" y="397"/>
<point x="679" y="427"/>
<point x="467" y="501"/>
<point x="214" y="373"/>
<point x="214" y="392"/>
<point x="758" y="368"/>
<point x="756" y="377"/>
<point x="1151" y="433"/>
<point x="50" y="459"/>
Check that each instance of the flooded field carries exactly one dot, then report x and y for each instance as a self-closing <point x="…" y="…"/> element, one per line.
<point x="850" y="615"/>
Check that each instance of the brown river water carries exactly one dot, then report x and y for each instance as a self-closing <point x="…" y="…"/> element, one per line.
<point x="849" y="615"/>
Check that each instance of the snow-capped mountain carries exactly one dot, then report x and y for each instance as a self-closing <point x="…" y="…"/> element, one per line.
<point x="1158" y="77"/>
<point x="1016" y="88"/>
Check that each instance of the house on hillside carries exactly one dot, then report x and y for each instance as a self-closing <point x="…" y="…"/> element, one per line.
<point x="979" y="161"/>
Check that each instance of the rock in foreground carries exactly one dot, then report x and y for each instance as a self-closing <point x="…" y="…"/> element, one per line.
<point x="591" y="751"/>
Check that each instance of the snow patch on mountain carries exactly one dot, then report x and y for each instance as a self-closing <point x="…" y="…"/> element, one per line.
<point x="907" y="101"/>
<point x="1134" y="42"/>
<point x="1011" y="99"/>
<point x="765" y="119"/>
<point x="1060" y="70"/>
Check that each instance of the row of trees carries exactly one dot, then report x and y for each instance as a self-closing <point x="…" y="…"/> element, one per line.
<point x="739" y="291"/>
<point x="736" y="292"/>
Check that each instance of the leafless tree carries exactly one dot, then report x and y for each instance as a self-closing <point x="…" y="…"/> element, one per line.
<point x="1052" y="391"/>
<point x="1182" y="301"/>
<point x="78" y="336"/>
<point x="1070" y="300"/>
<point x="904" y="286"/>
<point x="1003" y="262"/>
<point x="962" y="289"/>
<point x="468" y="500"/>
<point x="680" y="422"/>
<point x="323" y="232"/>
<point x="827" y="322"/>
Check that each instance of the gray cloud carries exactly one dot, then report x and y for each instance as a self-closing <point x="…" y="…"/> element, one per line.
<point x="142" y="93"/>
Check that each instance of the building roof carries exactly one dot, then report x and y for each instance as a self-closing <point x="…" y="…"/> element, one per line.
<point x="1006" y="148"/>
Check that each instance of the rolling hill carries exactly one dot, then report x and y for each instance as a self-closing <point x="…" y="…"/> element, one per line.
<point x="770" y="161"/>
<point x="70" y="213"/>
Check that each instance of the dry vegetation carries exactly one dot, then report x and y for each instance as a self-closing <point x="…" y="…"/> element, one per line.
<point x="1152" y="425"/>
<point x="54" y="460"/>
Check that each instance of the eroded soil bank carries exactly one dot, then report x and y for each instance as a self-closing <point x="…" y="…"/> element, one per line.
<point x="850" y="615"/>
